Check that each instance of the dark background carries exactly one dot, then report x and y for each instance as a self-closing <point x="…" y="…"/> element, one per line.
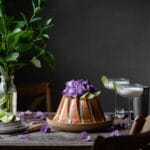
<point x="91" y="38"/>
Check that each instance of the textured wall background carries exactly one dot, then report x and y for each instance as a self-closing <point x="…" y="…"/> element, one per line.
<point x="95" y="37"/>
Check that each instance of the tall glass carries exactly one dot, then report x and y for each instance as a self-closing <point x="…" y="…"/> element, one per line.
<point x="109" y="84"/>
<point x="129" y="91"/>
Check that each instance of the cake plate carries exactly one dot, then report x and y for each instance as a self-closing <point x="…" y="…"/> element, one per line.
<point x="78" y="127"/>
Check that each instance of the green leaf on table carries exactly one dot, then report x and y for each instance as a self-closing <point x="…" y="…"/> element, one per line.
<point x="7" y="118"/>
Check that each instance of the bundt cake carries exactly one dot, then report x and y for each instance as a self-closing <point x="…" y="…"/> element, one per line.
<point x="79" y="104"/>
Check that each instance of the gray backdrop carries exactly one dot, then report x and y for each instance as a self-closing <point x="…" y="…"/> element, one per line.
<point x="95" y="37"/>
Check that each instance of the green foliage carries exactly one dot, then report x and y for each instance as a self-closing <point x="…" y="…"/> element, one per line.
<point x="23" y="42"/>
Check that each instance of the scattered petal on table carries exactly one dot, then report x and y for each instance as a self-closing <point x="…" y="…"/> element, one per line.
<point x="85" y="137"/>
<point x="125" y="124"/>
<point x="38" y="114"/>
<point x="28" y="112"/>
<point x="30" y="122"/>
<point x="41" y="115"/>
<point x="45" y="128"/>
<point x="115" y="133"/>
<point x="21" y="115"/>
<point x="25" y="137"/>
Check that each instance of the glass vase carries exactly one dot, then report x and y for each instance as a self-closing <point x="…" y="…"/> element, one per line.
<point x="8" y="94"/>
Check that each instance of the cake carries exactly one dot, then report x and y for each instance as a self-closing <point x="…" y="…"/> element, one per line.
<point x="80" y="103"/>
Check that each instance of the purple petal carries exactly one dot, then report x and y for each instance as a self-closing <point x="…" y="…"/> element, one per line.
<point x="28" y="112"/>
<point x="125" y="124"/>
<point x="30" y="122"/>
<point x="45" y="128"/>
<point x="21" y="115"/>
<point x="44" y="116"/>
<point x="38" y="114"/>
<point x="85" y="137"/>
<point x="115" y="133"/>
<point x="25" y="137"/>
<point x="41" y="115"/>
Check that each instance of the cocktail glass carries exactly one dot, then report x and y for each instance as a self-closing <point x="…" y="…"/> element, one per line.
<point x="129" y="91"/>
<point x="109" y="84"/>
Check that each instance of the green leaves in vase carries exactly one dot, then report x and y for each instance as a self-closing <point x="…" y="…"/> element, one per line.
<point x="23" y="42"/>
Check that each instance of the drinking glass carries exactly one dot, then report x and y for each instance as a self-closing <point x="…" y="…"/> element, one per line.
<point x="129" y="91"/>
<point x="109" y="84"/>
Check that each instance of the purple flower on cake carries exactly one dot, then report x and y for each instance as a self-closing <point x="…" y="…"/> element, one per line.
<point x="76" y="88"/>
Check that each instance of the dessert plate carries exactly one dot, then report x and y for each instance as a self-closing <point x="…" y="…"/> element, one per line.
<point x="78" y="127"/>
<point x="12" y="127"/>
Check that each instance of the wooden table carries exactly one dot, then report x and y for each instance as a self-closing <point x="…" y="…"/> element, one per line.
<point x="54" y="140"/>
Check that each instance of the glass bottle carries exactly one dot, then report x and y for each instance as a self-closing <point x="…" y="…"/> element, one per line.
<point x="8" y="94"/>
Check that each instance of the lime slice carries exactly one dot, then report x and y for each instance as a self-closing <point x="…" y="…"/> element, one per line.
<point x="84" y="96"/>
<point x="116" y="87"/>
<point x="97" y="93"/>
<point x="104" y="80"/>
<point x="89" y="95"/>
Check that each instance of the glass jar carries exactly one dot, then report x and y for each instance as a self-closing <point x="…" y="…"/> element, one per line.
<point x="8" y="94"/>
